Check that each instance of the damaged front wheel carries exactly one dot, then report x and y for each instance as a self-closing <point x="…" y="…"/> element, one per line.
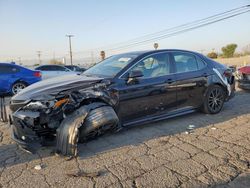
<point x="98" y="121"/>
<point x="85" y="123"/>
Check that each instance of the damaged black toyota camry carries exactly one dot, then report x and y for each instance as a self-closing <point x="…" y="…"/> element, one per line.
<point x="123" y="90"/>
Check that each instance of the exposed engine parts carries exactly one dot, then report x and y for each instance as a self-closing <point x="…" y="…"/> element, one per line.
<point x="71" y="118"/>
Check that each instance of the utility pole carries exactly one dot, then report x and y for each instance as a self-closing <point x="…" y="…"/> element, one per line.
<point x="39" y="57"/>
<point x="70" y="49"/>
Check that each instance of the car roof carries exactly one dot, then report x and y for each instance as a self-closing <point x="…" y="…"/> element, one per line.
<point x="13" y="64"/>
<point x="50" y="65"/>
<point x="16" y="65"/>
<point x="71" y="66"/>
<point x="8" y="64"/>
<point x="147" y="52"/>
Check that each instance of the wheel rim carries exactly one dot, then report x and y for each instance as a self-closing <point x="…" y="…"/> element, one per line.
<point x="98" y="131"/>
<point x="215" y="100"/>
<point x="18" y="87"/>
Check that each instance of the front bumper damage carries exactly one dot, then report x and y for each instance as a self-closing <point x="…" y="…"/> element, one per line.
<point x="244" y="84"/>
<point x="29" y="130"/>
<point x="38" y="125"/>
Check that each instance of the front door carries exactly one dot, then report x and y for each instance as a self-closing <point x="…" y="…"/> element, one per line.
<point x="150" y="95"/>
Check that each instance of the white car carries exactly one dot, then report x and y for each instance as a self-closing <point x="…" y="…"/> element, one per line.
<point x="51" y="71"/>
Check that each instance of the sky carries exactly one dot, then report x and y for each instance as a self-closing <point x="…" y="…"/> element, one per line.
<point x="28" y="26"/>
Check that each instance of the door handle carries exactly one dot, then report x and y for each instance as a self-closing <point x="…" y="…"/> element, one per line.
<point x="169" y="81"/>
<point x="205" y="74"/>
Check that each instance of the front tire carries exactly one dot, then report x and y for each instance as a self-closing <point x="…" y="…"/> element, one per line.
<point x="86" y="122"/>
<point x="214" y="100"/>
<point x="98" y="122"/>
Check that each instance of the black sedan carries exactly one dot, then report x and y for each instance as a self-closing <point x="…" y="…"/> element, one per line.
<point x="123" y="90"/>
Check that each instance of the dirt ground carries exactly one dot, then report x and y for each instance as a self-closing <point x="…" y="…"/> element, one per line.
<point x="164" y="154"/>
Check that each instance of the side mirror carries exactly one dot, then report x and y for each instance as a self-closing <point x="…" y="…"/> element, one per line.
<point x="135" y="74"/>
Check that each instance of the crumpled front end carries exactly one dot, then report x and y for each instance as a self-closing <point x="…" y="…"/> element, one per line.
<point x="32" y="129"/>
<point x="38" y="122"/>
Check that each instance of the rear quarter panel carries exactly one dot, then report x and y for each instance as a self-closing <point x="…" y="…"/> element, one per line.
<point x="28" y="77"/>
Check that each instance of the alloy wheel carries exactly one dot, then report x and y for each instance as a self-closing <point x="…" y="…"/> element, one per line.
<point x="17" y="87"/>
<point x="216" y="100"/>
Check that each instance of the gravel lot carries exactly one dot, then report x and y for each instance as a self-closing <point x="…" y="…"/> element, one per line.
<point x="216" y="153"/>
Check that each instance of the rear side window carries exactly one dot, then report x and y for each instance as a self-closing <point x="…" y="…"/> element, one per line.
<point x="201" y="63"/>
<point x="51" y="68"/>
<point x="185" y="62"/>
<point x="43" y="68"/>
<point x="8" y="69"/>
<point x="58" y="68"/>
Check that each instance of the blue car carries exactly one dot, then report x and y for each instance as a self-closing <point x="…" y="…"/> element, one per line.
<point x="14" y="78"/>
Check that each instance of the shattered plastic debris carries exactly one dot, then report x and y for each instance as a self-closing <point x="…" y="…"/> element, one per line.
<point x="38" y="167"/>
<point x="191" y="127"/>
<point x="213" y="128"/>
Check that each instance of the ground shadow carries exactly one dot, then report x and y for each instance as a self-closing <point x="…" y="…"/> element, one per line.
<point x="239" y="105"/>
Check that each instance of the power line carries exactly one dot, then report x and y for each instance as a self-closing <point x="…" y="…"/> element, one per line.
<point x="235" y="10"/>
<point x="178" y="29"/>
<point x="185" y="29"/>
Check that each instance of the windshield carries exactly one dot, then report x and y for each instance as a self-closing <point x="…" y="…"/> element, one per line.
<point x="111" y="66"/>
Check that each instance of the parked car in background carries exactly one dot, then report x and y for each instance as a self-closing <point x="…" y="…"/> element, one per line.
<point x="75" y="68"/>
<point x="244" y="77"/>
<point x="14" y="78"/>
<point x="50" y="71"/>
<point x="122" y="90"/>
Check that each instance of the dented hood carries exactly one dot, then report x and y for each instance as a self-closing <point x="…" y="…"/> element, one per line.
<point x="44" y="89"/>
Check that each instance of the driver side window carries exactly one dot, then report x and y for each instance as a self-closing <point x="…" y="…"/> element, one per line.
<point x="153" y="66"/>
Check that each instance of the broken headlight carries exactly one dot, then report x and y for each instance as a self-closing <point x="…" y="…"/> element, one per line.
<point x="39" y="105"/>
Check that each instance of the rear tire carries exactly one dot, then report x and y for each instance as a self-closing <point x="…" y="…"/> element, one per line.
<point x="17" y="87"/>
<point x="214" y="100"/>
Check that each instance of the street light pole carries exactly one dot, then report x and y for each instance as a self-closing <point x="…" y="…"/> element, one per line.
<point x="39" y="57"/>
<point x="70" y="49"/>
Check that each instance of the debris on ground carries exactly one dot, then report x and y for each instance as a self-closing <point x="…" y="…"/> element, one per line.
<point x="81" y="173"/>
<point x="191" y="127"/>
<point x="213" y="128"/>
<point x="38" y="167"/>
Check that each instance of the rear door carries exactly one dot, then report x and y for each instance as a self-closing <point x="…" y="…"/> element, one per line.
<point x="153" y="94"/>
<point x="191" y="79"/>
<point x="8" y="75"/>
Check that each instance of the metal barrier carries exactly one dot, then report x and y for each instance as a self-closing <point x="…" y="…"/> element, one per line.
<point x="3" y="111"/>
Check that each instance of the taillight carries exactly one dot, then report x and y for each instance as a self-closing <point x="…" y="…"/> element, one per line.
<point x="37" y="74"/>
<point x="228" y="73"/>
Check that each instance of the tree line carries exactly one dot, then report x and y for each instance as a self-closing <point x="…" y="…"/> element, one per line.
<point x="229" y="51"/>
